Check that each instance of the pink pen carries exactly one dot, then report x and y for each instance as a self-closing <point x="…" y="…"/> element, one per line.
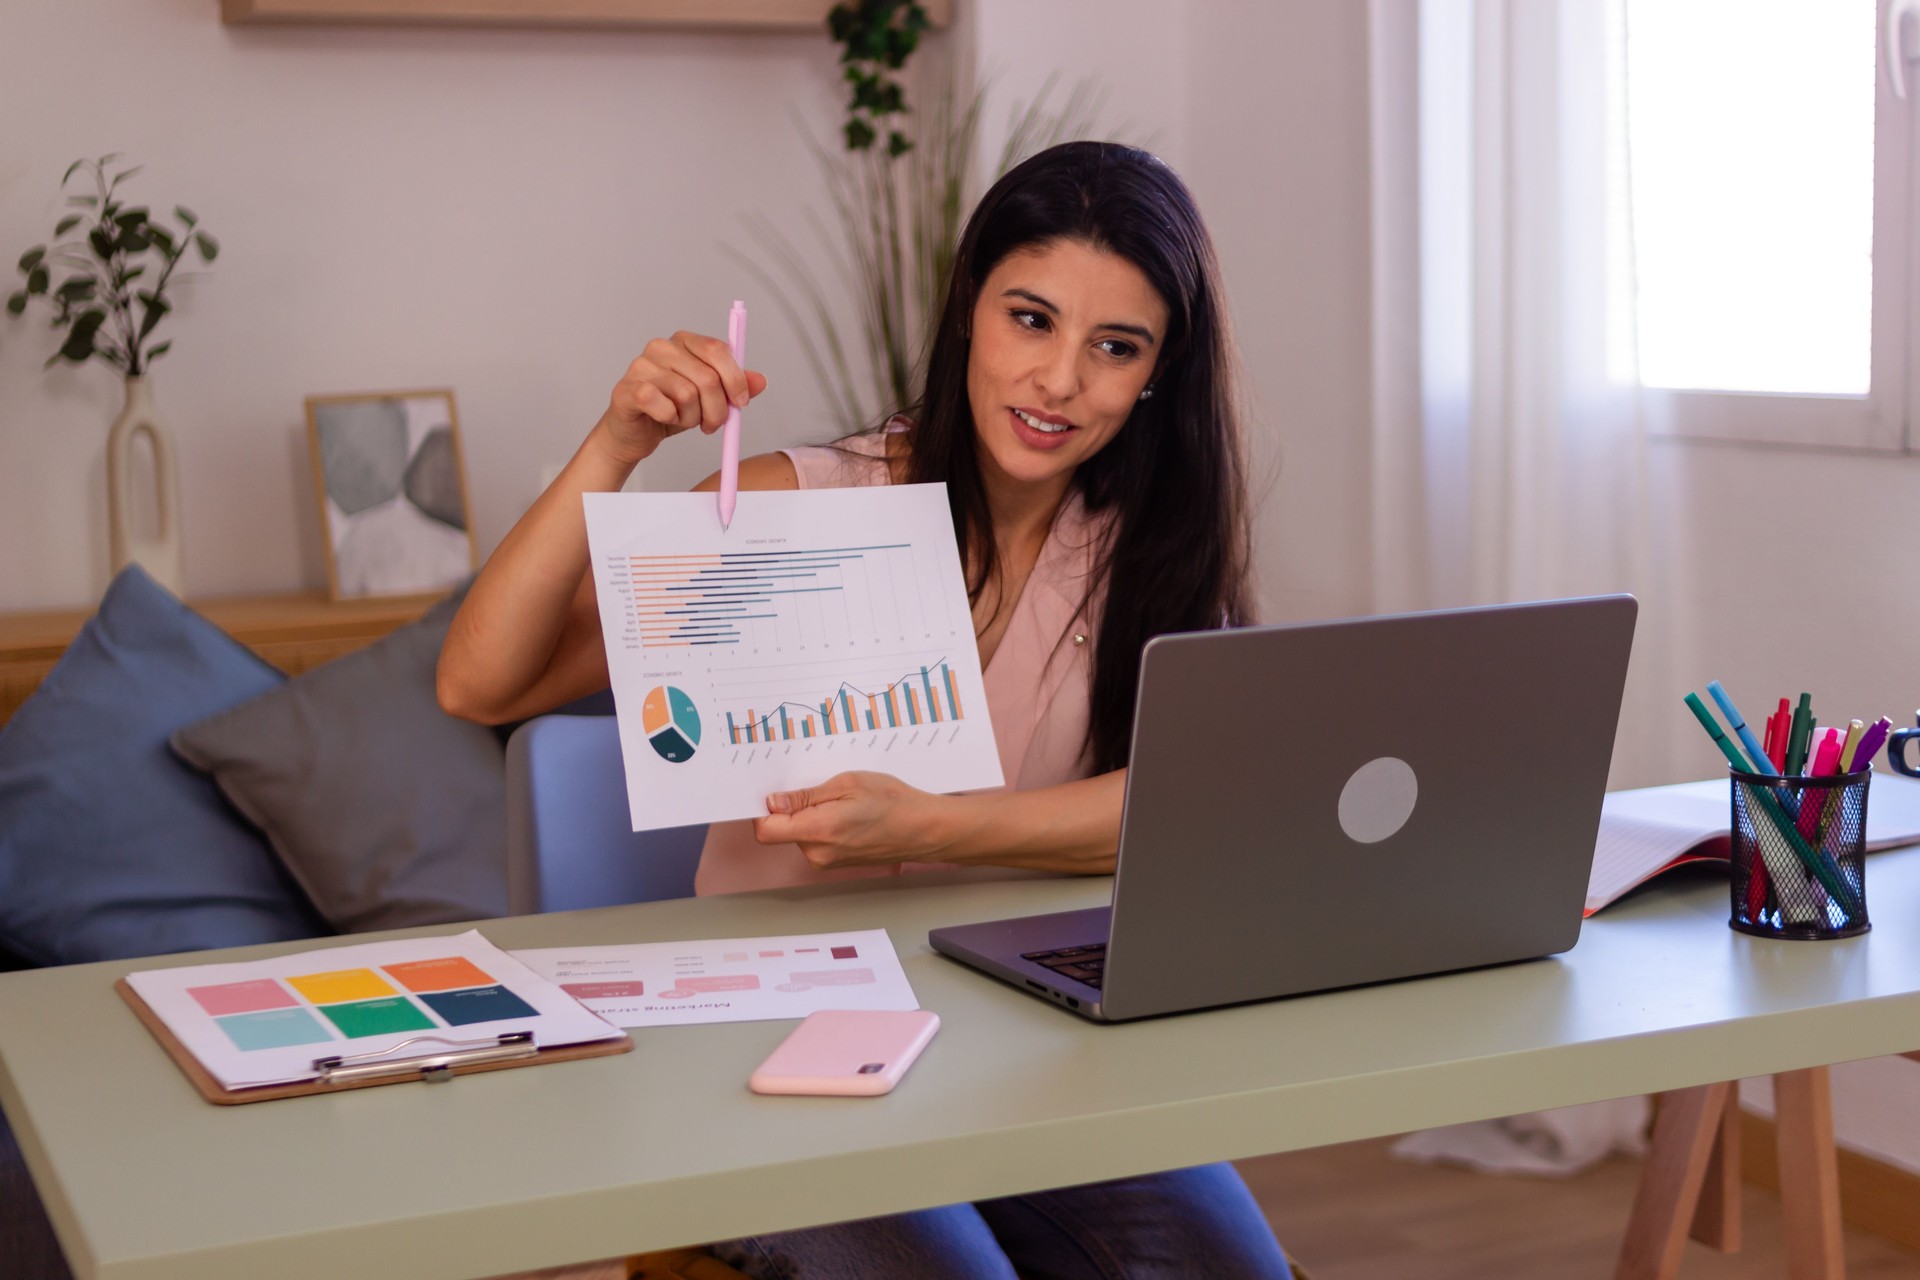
<point x="730" y="434"/>
<point x="1826" y="761"/>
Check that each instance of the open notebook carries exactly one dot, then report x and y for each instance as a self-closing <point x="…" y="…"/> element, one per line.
<point x="1654" y="829"/>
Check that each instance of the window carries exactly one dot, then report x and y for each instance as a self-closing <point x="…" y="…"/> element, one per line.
<point x="1761" y="179"/>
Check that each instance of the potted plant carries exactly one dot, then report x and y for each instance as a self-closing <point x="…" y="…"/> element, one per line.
<point x="116" y="261"/>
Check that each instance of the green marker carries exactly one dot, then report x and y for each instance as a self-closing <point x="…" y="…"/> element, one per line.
<point x="1829" y="877"/>
<point x="1800" y="736"/>
<point x="1720" y="739"/>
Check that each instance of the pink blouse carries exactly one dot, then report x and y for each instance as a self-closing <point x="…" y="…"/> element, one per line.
<point x="1037" y="683"/>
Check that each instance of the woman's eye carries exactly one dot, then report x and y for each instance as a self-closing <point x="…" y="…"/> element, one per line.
<point x="1030" y="319"/>
<point x="1119" y="350"/>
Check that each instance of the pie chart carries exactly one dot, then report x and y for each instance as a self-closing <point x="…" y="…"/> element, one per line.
<point x="672" y="725"/>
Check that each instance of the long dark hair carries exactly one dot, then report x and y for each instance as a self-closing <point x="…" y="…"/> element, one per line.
<point x="1176" y="554"/>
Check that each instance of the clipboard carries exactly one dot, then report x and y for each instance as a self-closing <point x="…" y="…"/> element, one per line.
<point x="455" y="1058"/>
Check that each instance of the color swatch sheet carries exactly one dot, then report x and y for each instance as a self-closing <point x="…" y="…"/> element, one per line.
<point x="664" y="984"/>
<point x="265" y="1021"/>
<point x="827" y="630"/>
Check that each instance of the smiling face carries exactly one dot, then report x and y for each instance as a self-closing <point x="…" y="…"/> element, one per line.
<point x="1065" y="337"/>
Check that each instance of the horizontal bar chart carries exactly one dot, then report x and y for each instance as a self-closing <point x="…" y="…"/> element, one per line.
<point x="701" y="601"/>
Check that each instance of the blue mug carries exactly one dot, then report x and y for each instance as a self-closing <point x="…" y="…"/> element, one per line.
<point x="1897" y="749"/>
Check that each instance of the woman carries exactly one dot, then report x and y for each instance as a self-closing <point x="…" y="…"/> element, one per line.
<point x="1079" y="407"/>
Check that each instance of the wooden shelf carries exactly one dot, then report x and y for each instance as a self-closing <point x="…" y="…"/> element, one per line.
<point x="766" y="15"/>
<point x="294" y="632"/>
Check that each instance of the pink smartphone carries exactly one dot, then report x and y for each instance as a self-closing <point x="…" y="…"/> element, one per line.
<point x="846" y="1052"/>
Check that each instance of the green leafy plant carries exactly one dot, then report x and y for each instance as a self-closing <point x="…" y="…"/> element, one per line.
<point x="104" y="253"/>
<point x="876" y="39"/>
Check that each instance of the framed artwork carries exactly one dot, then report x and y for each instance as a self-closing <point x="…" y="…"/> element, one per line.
<point x="393" y="492"/>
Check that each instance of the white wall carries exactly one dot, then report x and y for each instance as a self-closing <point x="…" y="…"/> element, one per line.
<point x="1278" y="119"/>
<point x="512" y="214"/>
<point x="1132" y="53"/>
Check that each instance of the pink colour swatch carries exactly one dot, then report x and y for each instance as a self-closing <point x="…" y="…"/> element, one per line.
<point x="243" y="997"/>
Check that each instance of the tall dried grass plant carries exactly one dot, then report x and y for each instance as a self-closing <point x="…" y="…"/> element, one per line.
<point x="889" y="243"/>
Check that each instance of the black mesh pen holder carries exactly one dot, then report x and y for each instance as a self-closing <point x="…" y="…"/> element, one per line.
<point x="1799" y="855"/>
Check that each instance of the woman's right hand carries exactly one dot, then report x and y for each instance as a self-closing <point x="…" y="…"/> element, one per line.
<point x="678" y="383"/>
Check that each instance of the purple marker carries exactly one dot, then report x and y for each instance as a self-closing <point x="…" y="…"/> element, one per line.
<point x="1871" y="741"/>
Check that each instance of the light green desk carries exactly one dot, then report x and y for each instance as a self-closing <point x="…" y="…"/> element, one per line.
<point x="665" y="1145"/>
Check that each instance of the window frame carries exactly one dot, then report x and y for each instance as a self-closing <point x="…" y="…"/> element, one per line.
<point x="1883" y="420"/>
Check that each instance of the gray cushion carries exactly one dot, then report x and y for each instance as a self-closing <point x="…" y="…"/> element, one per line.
<point x="389" y="812"/>
<point x="110" y="847"/>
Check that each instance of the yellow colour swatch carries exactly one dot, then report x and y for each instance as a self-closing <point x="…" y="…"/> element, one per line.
<point x="342" y="984"/>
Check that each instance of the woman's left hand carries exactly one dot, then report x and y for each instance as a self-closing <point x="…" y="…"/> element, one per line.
<point x="856" y="820"/>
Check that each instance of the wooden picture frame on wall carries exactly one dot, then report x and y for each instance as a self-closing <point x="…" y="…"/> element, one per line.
<point x="391" y="482"/>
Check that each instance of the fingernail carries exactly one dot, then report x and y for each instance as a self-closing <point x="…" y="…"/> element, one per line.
<point x="777" y="802"/>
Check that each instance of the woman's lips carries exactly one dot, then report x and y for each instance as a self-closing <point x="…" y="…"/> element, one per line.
<point x="1034" y="439"/>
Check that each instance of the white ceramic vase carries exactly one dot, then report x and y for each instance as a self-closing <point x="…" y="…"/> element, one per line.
<point x="157" y="552"/>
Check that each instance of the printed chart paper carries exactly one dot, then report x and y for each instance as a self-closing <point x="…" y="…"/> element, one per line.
<point x="827" y="630"/>
<point x="265" y="1021"/>
<point x="664" y="984"/>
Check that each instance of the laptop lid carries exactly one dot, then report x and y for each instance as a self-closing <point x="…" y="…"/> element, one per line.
<point x="1328" y="804"/>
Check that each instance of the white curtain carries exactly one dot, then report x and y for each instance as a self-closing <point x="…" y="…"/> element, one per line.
<point x="1509" y="447"/>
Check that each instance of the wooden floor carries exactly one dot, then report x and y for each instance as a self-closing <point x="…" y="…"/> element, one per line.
<point x="1353" y="1213"/>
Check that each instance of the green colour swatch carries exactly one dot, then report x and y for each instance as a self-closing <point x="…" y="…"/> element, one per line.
<point x="378" y="1017"/>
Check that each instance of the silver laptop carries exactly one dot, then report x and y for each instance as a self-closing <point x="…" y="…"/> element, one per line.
<point x="1338" y="803"/>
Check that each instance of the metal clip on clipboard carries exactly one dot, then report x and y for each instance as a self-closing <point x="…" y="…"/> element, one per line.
<point x="433" y="1068"/>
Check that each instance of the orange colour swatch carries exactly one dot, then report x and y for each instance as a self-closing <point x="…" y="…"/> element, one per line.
<point x="439" y="975"/>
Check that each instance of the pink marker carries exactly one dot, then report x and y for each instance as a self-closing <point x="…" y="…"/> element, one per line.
<point x="1813" y="804"/>
<point x="730" y="434"/>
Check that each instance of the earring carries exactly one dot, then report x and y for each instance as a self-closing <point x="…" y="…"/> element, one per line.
<point x="1147" y="394"/>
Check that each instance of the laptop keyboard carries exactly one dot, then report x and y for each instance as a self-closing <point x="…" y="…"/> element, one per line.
<point x="1086" y="965"/>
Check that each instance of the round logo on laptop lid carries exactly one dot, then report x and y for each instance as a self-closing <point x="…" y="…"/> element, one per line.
<point x="1378" y="799"/>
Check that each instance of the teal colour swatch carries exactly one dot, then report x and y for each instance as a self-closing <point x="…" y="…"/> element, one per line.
<point x="273" y="1029"/>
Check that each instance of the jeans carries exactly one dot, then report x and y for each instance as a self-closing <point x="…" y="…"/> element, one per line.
<point x="1185" y="1225"/>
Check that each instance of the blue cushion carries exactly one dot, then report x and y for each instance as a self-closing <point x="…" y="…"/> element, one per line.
<point x="109" y="846"/>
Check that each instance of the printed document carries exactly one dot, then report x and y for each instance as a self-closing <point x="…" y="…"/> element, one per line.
<point x="665" y="984"/>
<point x="828" y="630"/>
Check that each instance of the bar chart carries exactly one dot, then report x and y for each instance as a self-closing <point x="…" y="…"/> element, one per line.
<point x="927" y="695"/>
<point x="786" y="600"/>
